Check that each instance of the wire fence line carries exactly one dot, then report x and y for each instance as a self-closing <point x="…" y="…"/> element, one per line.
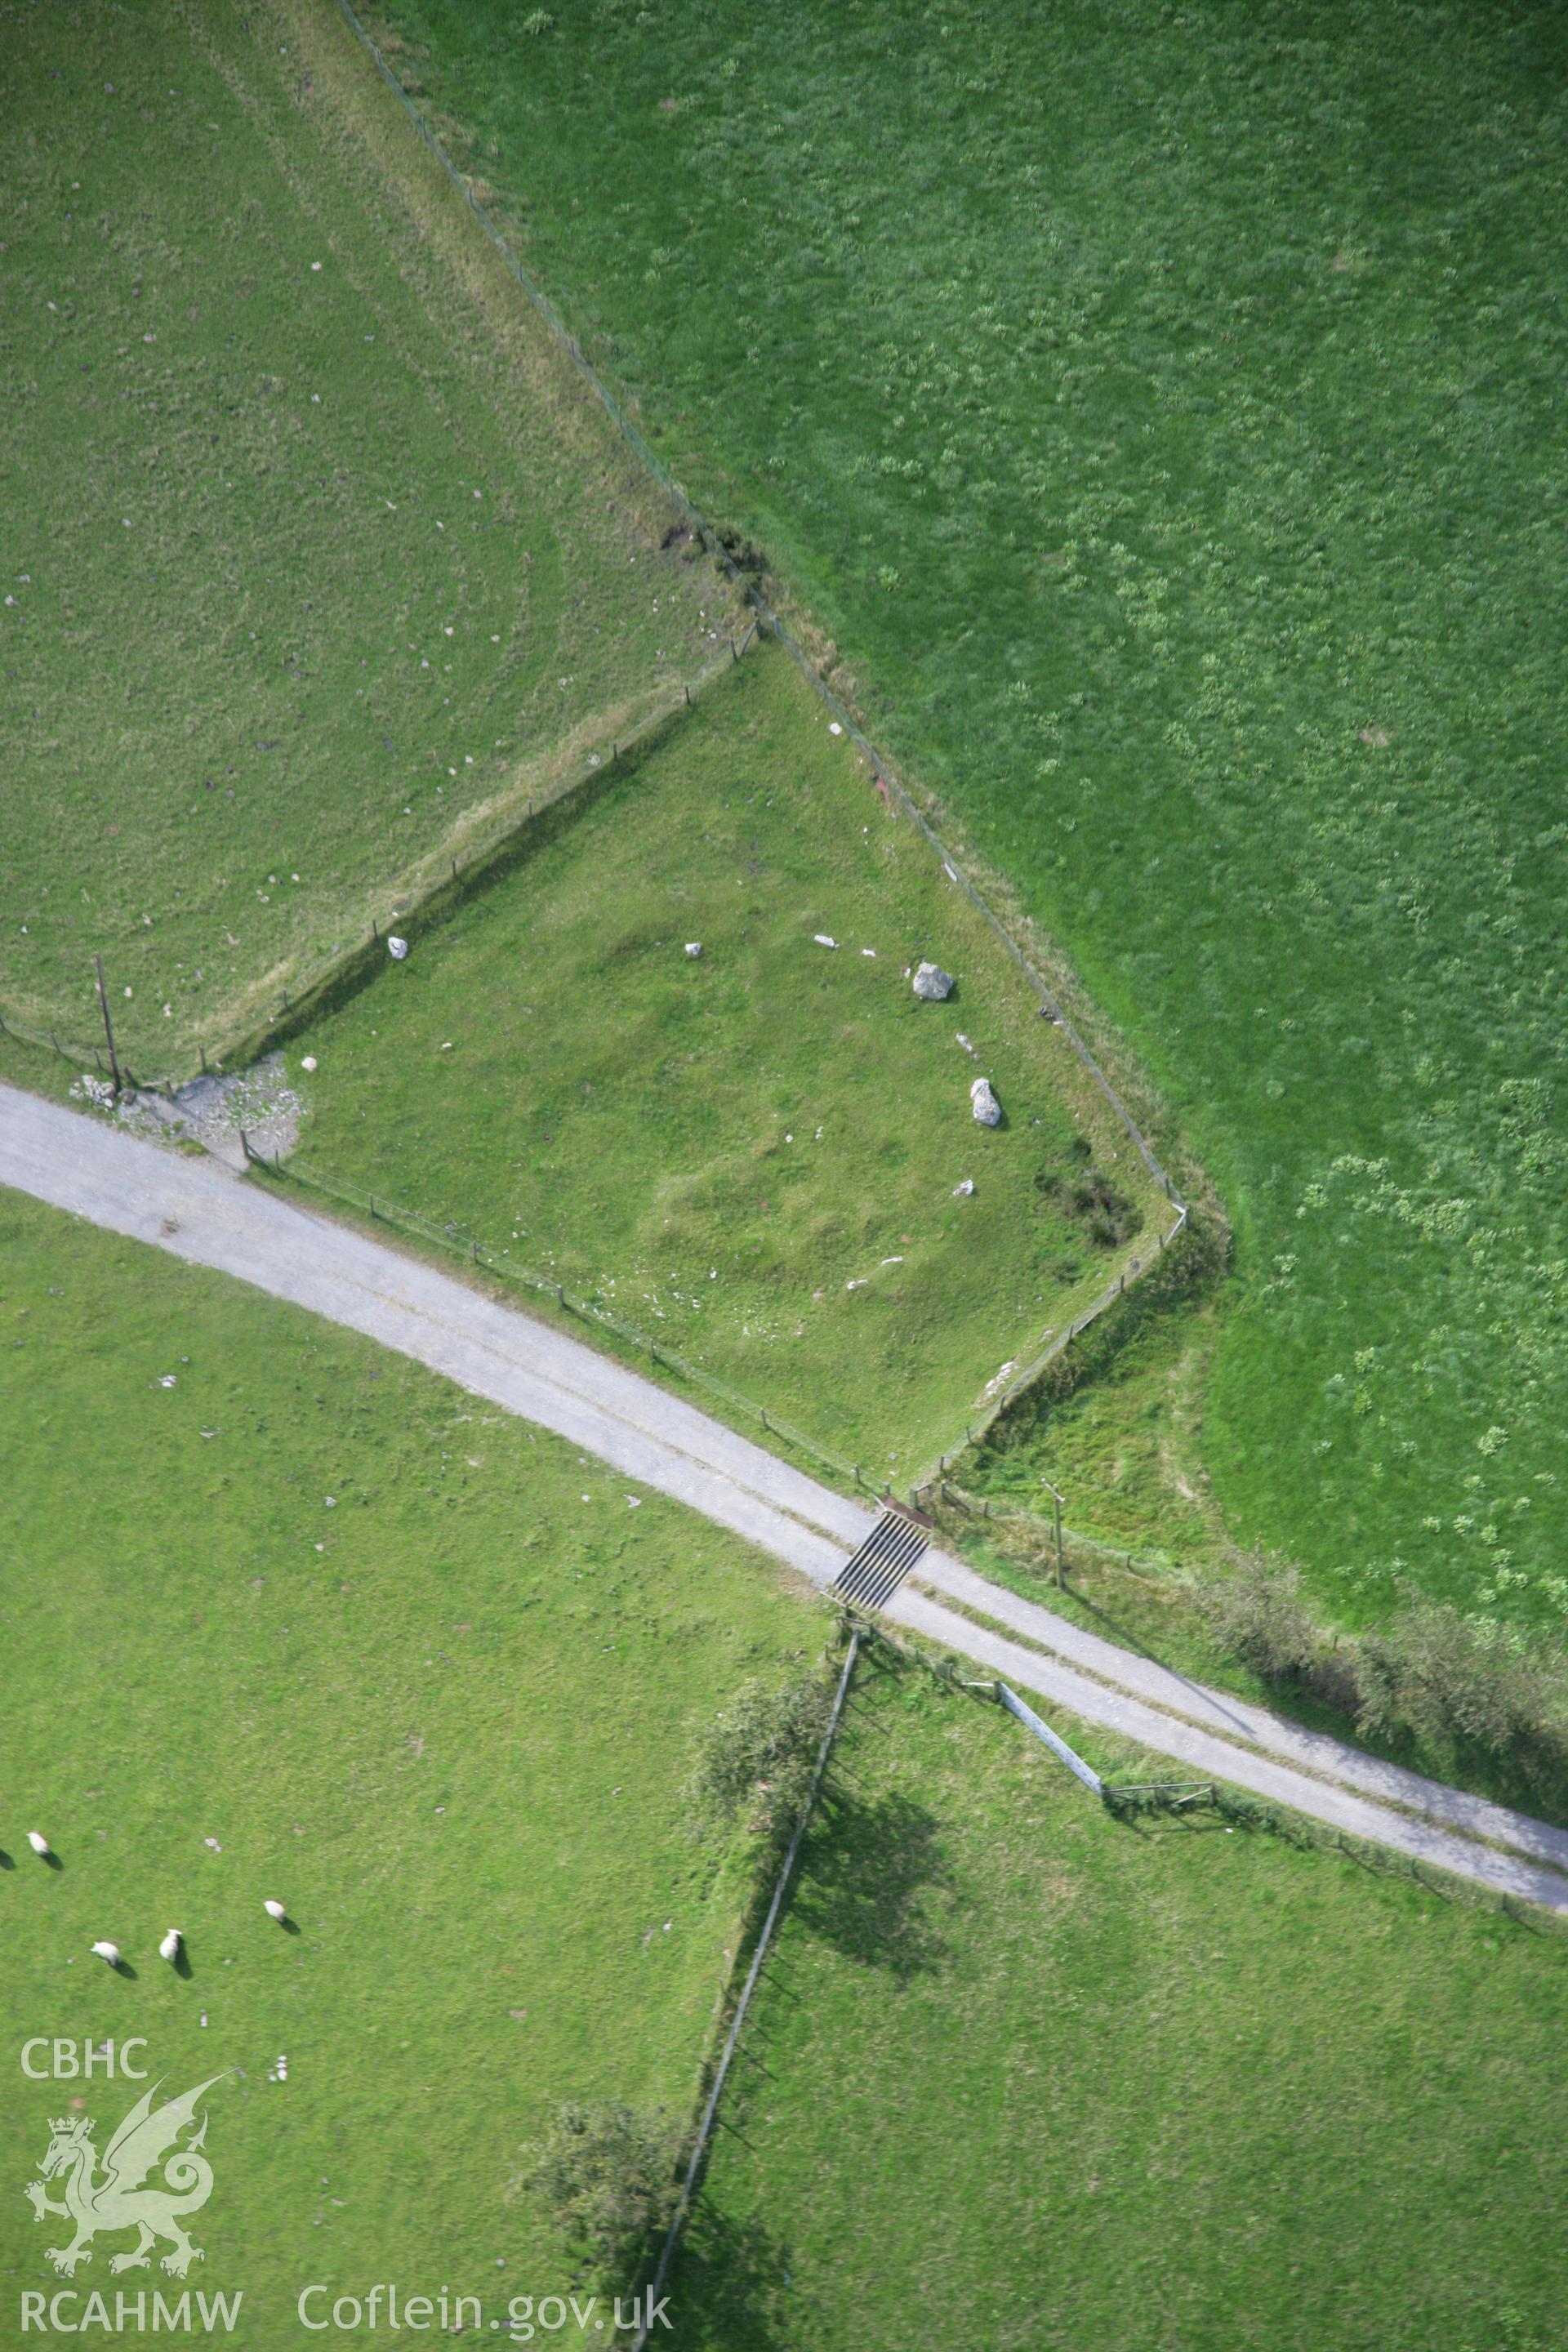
<point x="767" y="617"/>
<point x="440" y="877"/>
<point x="339" y="961"/>
<point x="1127" y="1799"/>
<point x="975" y="1430"/>
<point x="1003" y="1512"/>
<point x="705" y="2127"/>
<point x="450" y="1239"/>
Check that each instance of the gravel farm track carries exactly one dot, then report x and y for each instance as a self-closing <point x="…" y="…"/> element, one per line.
<point x="199" y="1210"/>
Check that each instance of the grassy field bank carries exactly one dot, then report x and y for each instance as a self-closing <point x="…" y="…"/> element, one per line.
<point x="1023" y="2076"/>
<point x="423" y="1675"/>
<point x="1158" y="408"/>
<point x="750" y="1153"/>
<point x="316" y="554"/>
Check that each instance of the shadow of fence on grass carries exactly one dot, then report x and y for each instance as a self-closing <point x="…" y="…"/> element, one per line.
<point x="874" y="1867"/>
<point x="732" y="2290"/>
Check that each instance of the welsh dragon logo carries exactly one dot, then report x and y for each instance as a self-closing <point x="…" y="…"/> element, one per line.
<point x="145" y="2140"/>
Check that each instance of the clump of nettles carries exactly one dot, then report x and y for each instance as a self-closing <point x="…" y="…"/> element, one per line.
<point x="754" y="1760"/>
<point x="1256" y="1614"/>
<point x="1108" y="1216"/>
<point x="605" y="2173"/>
<point x="1429" y="1679"/>
<point x="1432" y="1676"/>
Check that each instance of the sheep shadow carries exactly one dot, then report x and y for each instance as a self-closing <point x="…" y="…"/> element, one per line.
<point x="181" y="1964"/>
<point x="870" y="1872"/>
<point x="7" y="1861"/>
<point x="122" y="1967"/>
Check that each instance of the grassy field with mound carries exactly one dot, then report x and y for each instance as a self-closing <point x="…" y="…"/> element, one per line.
<point x="1021" y="2075"/>
<point x="317" y="557"/>
<point x="1159" y="406"/>
<point x="750" y="1154"/>
<point x="285" y="1616"/>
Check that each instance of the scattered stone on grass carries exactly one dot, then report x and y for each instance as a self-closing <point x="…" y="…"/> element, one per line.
<point x="961" y="1192"/>
<point x="398" y="949"/>
<point x="987" y="1109"/>
<point x="823" y="941"/>
<point x="931" y="983"/>
<point x="213" y="1110"/>
<point x="693" y="947"/>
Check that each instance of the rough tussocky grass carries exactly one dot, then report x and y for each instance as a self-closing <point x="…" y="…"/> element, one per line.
<point x="316" y="555"/>
<point x="1021" y="2075"/>
<point x="1160" y="407"/>
<point x="750" y="1153"/>
<point x="428" y="1678"/>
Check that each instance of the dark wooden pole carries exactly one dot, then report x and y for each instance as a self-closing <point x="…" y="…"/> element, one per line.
<point x="107" y="1025"/>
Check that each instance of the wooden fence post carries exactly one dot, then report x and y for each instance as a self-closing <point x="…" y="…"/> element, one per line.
<point x="108" y="1028"/>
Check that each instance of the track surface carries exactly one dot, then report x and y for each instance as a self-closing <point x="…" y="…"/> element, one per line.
<point x="199" y="1210"/>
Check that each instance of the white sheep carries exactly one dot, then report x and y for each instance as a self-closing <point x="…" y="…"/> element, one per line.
<point x="39" y="1844"/>
<point x="108" y="1953"/>
<point x="273" y="1910"/>
<point x="169" y="1950"/>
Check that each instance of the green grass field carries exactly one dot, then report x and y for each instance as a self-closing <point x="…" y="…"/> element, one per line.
<point x="1159" y="409"/>
<point x="317" y="557"/>
<point x="1155" y="411"/>
<point x="425" y="1676"/>
<point x="750" y="1154"/>
<point x="1022" y="2076"/>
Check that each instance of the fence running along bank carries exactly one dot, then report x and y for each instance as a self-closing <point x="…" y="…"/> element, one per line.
<point x="705" y="2127"/>
<point x="690" y="515"/>
<point x="1128" y="1800"/>
<point x="440" y="879"/>
<point x="1002" y="1511"/>
<point x="976" y="1429"/>
<point x="336" y="967"/>
<point x="450" y="1239"/>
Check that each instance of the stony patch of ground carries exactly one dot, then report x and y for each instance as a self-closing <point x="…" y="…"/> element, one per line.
<point x="257" y="1107"/>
